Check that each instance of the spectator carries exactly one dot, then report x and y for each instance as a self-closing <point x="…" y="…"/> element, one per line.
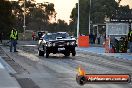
<point x="33" y="36"/>
<point x="43" y="34"/>
<point x="94" y="38"/>
<point x="91" y="37"/>
<point x="98" y="38"/>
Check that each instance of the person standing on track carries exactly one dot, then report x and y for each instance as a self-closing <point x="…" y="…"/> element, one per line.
<point x="13" y="38"/>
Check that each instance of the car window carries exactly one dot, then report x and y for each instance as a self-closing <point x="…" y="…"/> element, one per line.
<point x="63" y="35"/>
<point x="49" y="37"/>
<point x="53" y="36"/>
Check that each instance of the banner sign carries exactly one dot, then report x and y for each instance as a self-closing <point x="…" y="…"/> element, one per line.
<point x="117" y="28"/>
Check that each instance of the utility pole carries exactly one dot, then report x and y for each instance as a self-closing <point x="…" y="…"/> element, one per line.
<point x="78" y="22"/>
<point x="24" y="25"/>
<point x="89" y="15"/>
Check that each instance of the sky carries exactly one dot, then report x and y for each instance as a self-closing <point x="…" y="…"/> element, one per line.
<point x="63" y="8"/>
<point x="126" y="2"/>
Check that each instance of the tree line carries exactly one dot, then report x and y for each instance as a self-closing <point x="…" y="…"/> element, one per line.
<point x="39" y="16"/>
<point x="99" y="10"/>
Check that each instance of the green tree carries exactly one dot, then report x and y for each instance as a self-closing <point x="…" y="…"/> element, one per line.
<point x="38" y="15"/>
<point x="17" y="14"/>
<point x="5" y="17"/>
<point x="122" y="13"/>
<point x="99" y="10"/>
<point x="60" y="26"/>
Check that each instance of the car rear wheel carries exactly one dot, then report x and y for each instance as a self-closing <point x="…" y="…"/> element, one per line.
<point x="73" y="53"/>
<point x="46" y="52"/>
<point x="47" y="55"/>
<point x="41" y="53"/>
<point x="67" y="53"/>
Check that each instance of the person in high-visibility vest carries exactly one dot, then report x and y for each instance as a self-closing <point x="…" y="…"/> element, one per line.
<point x="13" y="38"/>
<point x="130" y="40"/>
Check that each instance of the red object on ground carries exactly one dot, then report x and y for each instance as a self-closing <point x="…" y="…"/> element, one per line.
<point x="83" y="41"/>
<point x="112" y="50"/>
